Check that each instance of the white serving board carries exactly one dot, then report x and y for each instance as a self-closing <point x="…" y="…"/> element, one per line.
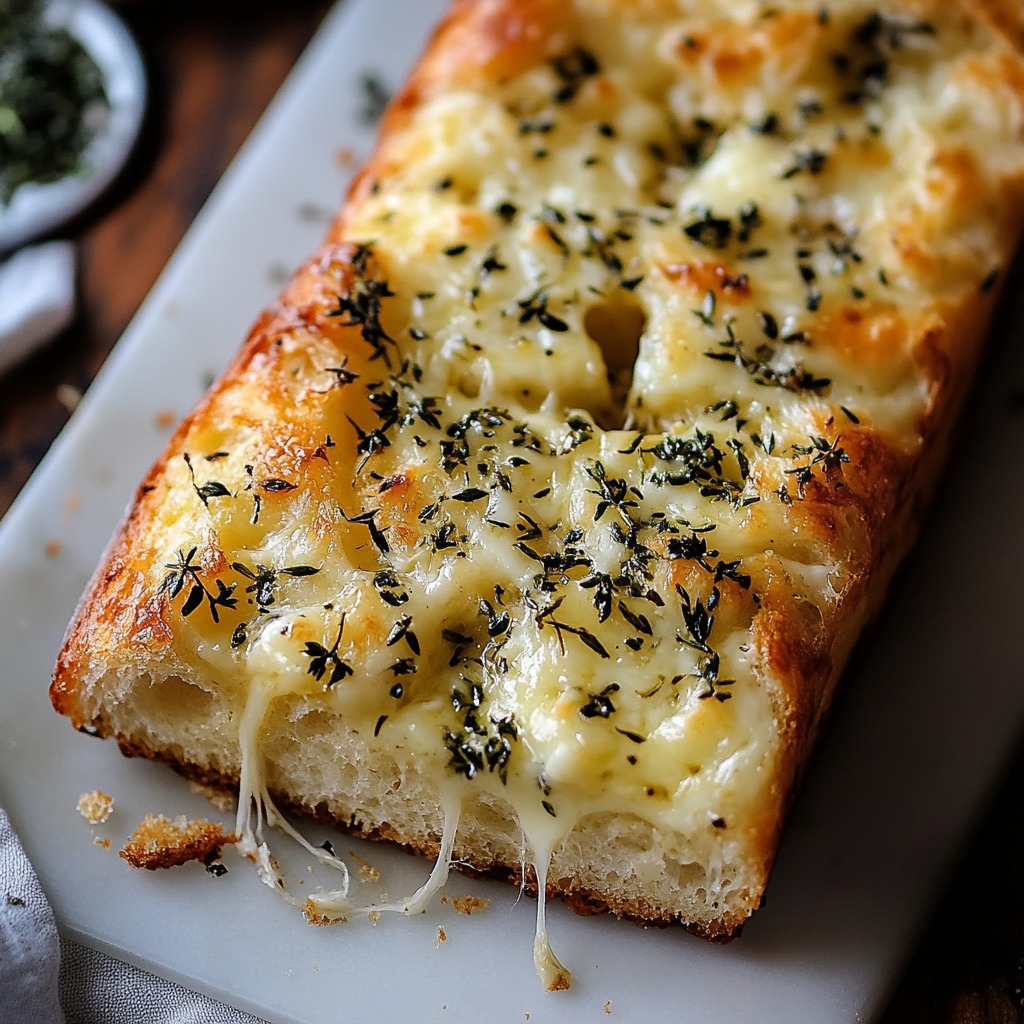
<point x="924" y="726"/>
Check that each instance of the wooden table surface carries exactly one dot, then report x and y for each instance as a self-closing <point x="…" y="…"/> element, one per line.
<point x="213" y="68"/>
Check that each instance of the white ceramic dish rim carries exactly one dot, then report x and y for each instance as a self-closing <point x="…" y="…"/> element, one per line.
<point x="35" y="209"/>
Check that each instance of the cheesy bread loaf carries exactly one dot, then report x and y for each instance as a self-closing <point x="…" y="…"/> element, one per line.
<point x="534" y="524"/>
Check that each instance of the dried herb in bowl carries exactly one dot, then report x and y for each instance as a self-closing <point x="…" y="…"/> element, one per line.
<point x="52" y="99"/>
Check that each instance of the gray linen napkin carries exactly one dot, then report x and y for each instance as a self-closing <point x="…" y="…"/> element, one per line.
<point x="45" y="979"/>
<point x="29" y="949"/>
<point x="97" y="989"/>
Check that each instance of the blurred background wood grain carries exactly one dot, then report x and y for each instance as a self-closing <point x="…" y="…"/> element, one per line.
<point x="213" y="68"/>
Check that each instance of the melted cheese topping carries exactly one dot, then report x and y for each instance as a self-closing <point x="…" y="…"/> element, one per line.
<point x="598" y="433"/>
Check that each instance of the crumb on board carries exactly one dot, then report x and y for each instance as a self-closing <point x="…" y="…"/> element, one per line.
<point x="467" y="905"/>
<point x="317" y="917"/>
<point x="99" y="841"/>
<point x="165" y="418"/>
<point x="367" y="871"/>
<point x="344" y="156"/>
<point x="68" y="395"/>
<point x="441" y="937"/>
<point x="161" y="842"/>
<point x="96" y="806"/>
<point x="53" y="548"/>
<point x="74" y="499"/>
<point x="608" y="1007"/>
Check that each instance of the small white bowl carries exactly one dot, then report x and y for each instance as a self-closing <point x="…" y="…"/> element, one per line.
<point x="35" y="209"/>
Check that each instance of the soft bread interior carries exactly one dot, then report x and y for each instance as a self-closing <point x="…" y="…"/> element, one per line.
<point x="319" y="767"/>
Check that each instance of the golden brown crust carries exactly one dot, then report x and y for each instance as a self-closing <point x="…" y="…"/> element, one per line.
<point x="1007" y="16"/>
<point x="161" y="842"/>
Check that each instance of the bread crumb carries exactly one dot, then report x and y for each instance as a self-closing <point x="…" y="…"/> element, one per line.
<point x="68" y="395"/>
<point x="95" y="807"/>
<point x="367" y="872"/>
<point x="165" y="418"/>
<point x="74" y="499"/>
<point x="373" y="916"/>
<point x="608" y="1007"/>
<point x="441" y="937"/>
<point x="105" y="843"/>
<point x="318" y="917"/>
<point x="344" y="156"/>
<point x="468" y="905"/>
<point x="159" y="842"/>
<point x="53" y="548"/>
<point x="314" y="916"/>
